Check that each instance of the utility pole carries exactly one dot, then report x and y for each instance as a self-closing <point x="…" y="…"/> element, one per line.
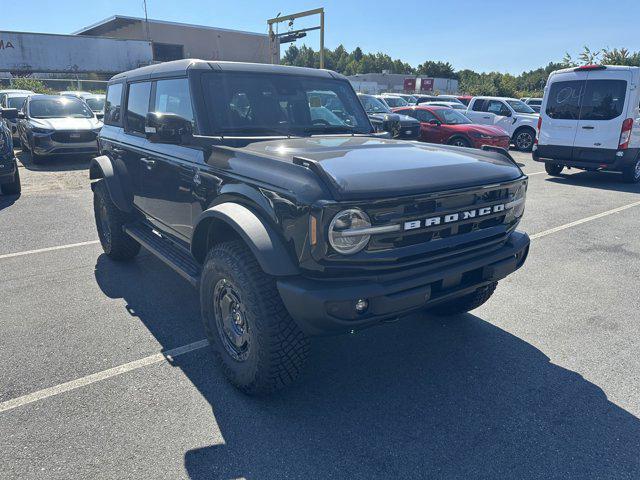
<point x="293" y="35"/>
<point x="146" y="20"/>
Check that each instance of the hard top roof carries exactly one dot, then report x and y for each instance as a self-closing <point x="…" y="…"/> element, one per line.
<point x="177" y="68"/>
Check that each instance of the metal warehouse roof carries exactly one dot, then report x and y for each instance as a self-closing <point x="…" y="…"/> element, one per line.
<point x="108" y="25"/>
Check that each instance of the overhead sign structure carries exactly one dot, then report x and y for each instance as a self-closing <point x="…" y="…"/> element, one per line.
<point x="22" y="52"/>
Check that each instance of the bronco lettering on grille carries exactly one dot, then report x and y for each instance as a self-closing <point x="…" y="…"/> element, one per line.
<point x="454" y="217"/>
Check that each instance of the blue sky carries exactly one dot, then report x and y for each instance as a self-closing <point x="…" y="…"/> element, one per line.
<point x="485" y="35"/>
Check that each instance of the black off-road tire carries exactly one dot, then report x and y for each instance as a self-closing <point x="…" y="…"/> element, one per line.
<point x="459" y="142"/>
<point x="466" y="303"/>
<point x="553" y="169"/>
<point x="524" y="139"/>
<point x="276" y="348"/>
<point x="14" y="187"/>
<point x="631" y="173"/>
<point x="109" y="222"/>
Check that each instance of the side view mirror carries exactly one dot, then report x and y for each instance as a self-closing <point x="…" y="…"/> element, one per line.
<point x="9" y="113"/>
<point x="435" y="122"/>
<point x="167" y="128"/>
<point x="505" y="113"/>
<point x="21" y="115"/>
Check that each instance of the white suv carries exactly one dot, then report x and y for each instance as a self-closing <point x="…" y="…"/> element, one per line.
<point x="513" y="115"/>
<point x="589" y="120"/>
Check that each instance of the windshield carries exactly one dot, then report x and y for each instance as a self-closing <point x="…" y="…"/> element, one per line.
<point x="59" y="108"/>
<point x="96" y="104"/>
<point x="452" y="117"/>
<point x="395" y="102"/>
<point x="520" y="107"/>
<point x="258" y="104"/>
<point x="15" y="102"/>
<point x="373" y="105"/>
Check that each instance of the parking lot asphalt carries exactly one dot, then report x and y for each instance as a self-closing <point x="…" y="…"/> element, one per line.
<point x="543" y="381"/>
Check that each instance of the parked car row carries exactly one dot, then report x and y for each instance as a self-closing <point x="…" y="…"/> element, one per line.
<point x="67" y="123"/>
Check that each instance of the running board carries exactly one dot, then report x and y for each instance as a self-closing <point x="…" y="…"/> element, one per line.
<point x="181" y="261"/>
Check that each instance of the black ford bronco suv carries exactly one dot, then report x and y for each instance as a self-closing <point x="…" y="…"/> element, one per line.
<point x="293" y="220"/>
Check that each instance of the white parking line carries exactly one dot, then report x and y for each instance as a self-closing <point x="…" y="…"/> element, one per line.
<point x="99" y="376"/>
<point x="170" y="354"/>
<point x="48" y="249"/>
<point x="583" y="220"/>
<point x="534" y="173"/>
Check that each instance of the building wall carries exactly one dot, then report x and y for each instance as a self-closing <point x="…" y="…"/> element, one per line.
<point x="203" y="43"/>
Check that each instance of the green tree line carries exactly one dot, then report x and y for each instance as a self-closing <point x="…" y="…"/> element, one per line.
<point x="527" y="84"/>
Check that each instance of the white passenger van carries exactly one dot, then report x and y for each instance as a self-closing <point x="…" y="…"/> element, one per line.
<point x="589" y="120"/>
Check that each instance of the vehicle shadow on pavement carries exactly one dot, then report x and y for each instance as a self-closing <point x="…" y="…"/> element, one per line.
<point x="600" y="180"/>
<point x="420" y="398"/>
<point x="60" y="163"/>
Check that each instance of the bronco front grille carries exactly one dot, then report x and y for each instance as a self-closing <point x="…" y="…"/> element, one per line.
<point x="419" y="209"/>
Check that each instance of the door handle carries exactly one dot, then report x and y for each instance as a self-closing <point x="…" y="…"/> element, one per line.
<point x="117" y="150"/>
<point x="588" y="127"/>
<point x="148" y="162"/>
<point x="487" y="117"/>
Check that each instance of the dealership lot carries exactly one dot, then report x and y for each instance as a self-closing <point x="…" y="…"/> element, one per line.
<point x="541" y="382"/>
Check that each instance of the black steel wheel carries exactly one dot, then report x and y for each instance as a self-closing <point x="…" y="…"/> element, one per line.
<point x="110" y="222"/>
<point x="523" y="139"/>
<point x="256" y="343"/>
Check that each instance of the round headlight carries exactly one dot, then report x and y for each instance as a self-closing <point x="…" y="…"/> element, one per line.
<point x="343" y="231"/>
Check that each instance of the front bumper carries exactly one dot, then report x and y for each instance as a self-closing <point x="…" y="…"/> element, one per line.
<point x="502" y="142"/>
<point x="46" y="145"/>
<point x="327" y="306"/>
<point x="586" y="158"/>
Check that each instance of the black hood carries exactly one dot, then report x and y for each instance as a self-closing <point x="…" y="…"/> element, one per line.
<point x="369" y="167"/>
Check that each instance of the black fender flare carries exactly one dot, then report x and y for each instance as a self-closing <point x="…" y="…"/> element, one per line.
<point x="102" y="168"/>
<point x="266" y="245"/>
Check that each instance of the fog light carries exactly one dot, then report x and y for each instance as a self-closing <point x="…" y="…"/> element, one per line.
<point x="361" y="305"/>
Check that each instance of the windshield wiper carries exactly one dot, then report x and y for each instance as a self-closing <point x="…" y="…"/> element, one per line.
<point x="328" y="129"/>
<point x="256" y="131"/>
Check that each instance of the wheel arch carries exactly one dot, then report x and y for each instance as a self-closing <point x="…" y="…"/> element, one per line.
<point x="232" y="220"/>
<point x="102" y="168"/>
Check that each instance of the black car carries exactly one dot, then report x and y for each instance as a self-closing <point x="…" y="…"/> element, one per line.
<point x="291" y="224"/>
<point x="402" y="127"/>
<point x="9" y="174"/>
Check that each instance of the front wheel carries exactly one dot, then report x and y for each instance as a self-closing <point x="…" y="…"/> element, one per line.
<point x="466" y="303"/>
<point x="459" y="142"/>
<point x="258" y="346"/>
<point x="524" y="139"/>
<point x="631" y="174"/>
<point x="14" y="187"/>
<point x="553" y="169"/>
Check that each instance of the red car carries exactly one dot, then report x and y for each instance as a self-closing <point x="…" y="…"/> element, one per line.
<point x="446" y="125"/>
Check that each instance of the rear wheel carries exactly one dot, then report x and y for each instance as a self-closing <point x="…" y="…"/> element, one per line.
<point x="110" y="223"/>
<point x="554" y="169"/>
<point x="465" y="303"/>
<point x="459" y="142"/>
<point x="631" y="173"/>
<point x="523" y="139"/>
<point x="256" y="343"/>
<point x="14" y="187"/>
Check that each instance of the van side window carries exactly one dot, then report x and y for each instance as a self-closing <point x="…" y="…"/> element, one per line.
<point x="137" y="106"/>
<point x="112" y="113"/>
<point x="172" y="96"/>
<point x="603" y="99"/>
<point x="564" y="100"/>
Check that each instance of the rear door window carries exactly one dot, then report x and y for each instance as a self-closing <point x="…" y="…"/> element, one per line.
<point x="603" y="99"/>
<point x="138" y="106"/>
<point x="479" y="106"/>
<point x="112" y="104"/>
<point x="564" y="100"/>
